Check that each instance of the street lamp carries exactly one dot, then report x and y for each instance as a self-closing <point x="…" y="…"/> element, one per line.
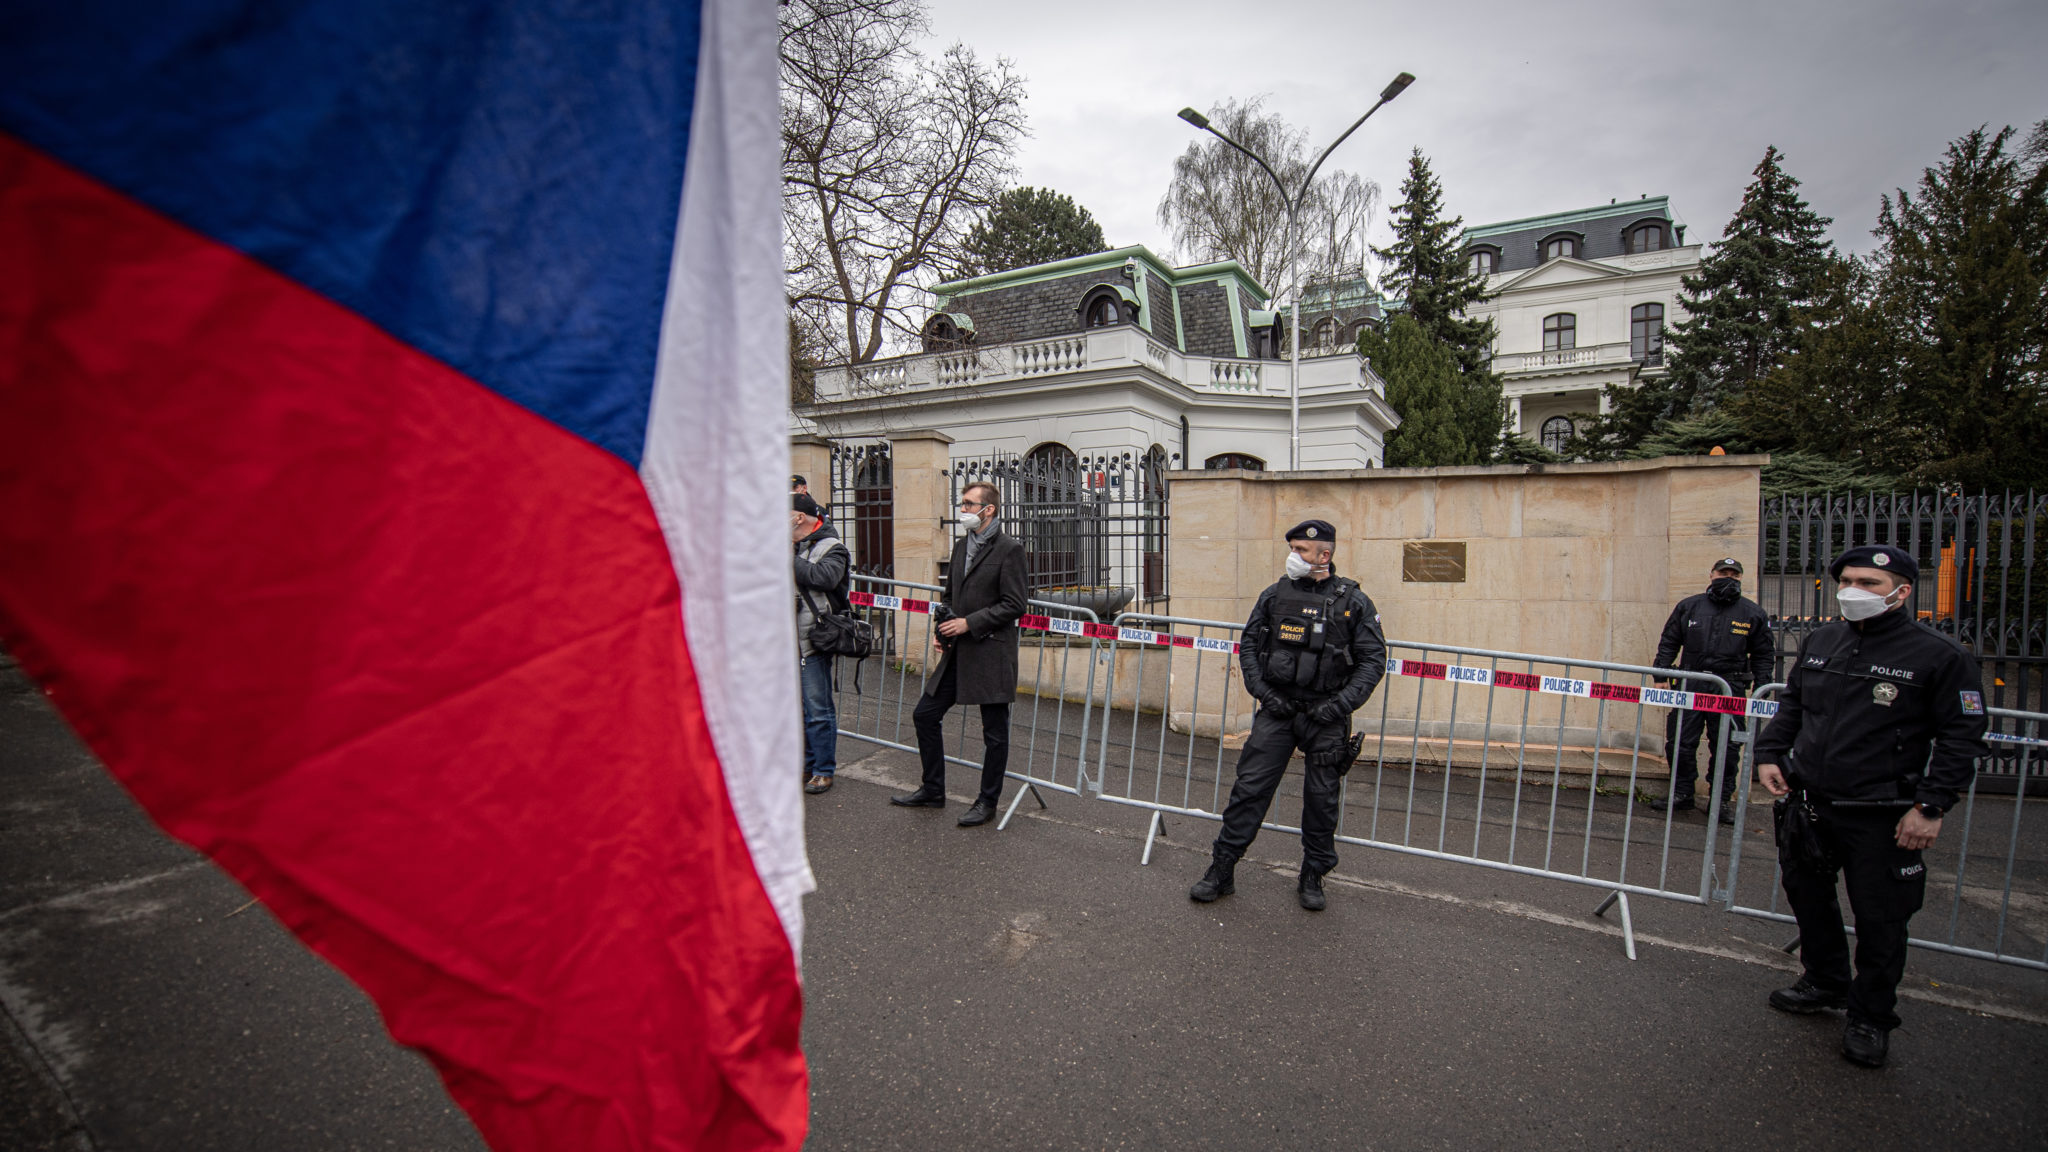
<point x="1293" y="205"/>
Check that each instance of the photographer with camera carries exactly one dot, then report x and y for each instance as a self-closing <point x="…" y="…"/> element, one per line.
<point x="1311" y="655"/>
<point x="985" y="594"/>
<point x="822" y="577"/>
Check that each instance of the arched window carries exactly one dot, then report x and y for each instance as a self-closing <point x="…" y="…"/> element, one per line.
<point x="1324" y="333"/>
<point x="1558" y="246"/>
<point x="1646" y="333"/>
<point x="1234" y="460"/>
<point x="1560" y="331"/>
<point x="1556" y="431"/>
<point x="1482" y="262"/>
<point x="1102" y="311"/>
<point x="1050" y="474"/>
<point x="1645" y="238"/>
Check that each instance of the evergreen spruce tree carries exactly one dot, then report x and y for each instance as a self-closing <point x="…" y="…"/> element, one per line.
<point x="1029" y="226"/>
<point x="1427" y="268"/>
<point x="1743" y="305"/>
<point x="1423" y="387"/>
<point x="1963" y="293"/>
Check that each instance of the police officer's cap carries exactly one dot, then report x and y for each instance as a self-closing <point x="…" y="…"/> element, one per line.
<point x="1727" y="562"/>
<point x="1316" y="530"/>
<point x="1880" y="556"/>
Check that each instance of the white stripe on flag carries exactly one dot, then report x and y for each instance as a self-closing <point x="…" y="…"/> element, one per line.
<point x="718" y="441"/>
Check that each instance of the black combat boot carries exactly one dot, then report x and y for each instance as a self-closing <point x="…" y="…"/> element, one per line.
<point x="1310" y="891"/>
<point x="1675" y="804"/>
<point x="1219" y="880"/>
<point x="1804" y="998"/>
<point x="1865" y="1043"/>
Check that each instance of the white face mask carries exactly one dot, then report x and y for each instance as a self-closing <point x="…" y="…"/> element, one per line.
<point x="1857" y="604"/>
<point x="1297" y="567"/>
<point x="971" y="521"/>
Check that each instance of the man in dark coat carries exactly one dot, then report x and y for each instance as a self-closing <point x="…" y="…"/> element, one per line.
<point x="1714" y="631"/>
<point x="1878" y="732"/>
<point x="985" y="592"/>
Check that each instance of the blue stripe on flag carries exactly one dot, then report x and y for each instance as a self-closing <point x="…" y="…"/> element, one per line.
<point x="494" y="182"/>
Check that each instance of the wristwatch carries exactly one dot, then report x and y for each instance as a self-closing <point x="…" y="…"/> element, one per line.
<point x="1931" y="811"/>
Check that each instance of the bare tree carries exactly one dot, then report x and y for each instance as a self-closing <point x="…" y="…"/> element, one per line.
<point x="888" y="157"/>
<point x="1220" y="206"/>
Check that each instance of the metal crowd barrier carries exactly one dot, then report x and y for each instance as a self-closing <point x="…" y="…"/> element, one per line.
<point x="876" y="704"/>
<point x="2003" y="915"/>
<point x="1471" y="768"/>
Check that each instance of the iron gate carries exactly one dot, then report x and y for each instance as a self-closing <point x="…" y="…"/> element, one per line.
<point x="1094" y="528"/>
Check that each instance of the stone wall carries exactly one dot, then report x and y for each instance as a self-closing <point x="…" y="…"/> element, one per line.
<point x="1580" y="561"/>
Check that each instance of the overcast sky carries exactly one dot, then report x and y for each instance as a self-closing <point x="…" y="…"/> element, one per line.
<point x="1523" y="108"/>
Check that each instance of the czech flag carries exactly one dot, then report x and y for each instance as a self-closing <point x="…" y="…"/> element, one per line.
<point x="392" y="439"/>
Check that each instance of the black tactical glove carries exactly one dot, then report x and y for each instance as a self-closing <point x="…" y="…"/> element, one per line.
<point x="1328" y="712"/>
<point x="1280" y="707"/>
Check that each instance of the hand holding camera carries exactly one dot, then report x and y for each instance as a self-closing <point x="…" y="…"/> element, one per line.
<point x="950" y="625"/>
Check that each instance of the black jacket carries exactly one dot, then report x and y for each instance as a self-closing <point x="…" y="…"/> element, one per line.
<point x="1733" y="640"/>
<point x="989" y="596"/>
<point x="1863" y="704"/>
<point x="1368" y="650"/>
<point x="825" y="581"/>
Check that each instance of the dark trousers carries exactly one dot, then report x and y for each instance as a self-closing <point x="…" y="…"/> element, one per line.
<point x="1861" y="847"/>
<point x="930" y="720"/>
<point x="1682" y="732"/>
<point x="1259" y="769"/>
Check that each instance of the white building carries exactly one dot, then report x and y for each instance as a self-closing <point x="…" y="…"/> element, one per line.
<point x="1113" y="356"/>
<point x="1583" y="298"/>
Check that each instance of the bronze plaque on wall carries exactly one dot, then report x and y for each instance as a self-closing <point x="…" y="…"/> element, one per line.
<point x="1433" y="562"/>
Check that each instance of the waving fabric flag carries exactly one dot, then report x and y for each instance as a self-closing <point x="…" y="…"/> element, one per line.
<point x="391" y="446"/>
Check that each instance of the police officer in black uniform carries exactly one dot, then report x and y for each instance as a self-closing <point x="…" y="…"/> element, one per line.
<point x="1719" y="632"/>
<point x="1848" y="754"/>
<point x="1311" y="655"/>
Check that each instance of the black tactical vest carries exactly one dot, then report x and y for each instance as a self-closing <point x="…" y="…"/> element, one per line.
<point x="1309" y="647"/>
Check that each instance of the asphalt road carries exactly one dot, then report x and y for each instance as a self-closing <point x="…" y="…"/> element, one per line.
<point x="1029" y="988"/>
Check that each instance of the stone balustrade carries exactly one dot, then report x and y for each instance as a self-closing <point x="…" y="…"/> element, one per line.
<point x="1121" y="348"/>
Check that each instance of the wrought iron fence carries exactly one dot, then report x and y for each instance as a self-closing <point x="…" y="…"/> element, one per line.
<point x="1979" y="577"/>
<point x="863" y="505"/>
<point x="1094" y="528"/>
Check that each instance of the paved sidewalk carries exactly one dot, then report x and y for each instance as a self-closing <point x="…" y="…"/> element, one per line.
<point x="1029" y="988"/>
<point x="1037" y="988"/>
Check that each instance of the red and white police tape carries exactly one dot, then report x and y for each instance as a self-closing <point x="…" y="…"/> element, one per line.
<point x="1479" y="677"/>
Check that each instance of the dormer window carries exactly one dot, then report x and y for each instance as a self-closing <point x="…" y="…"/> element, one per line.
<point x="1646" y="238"/>
<point x="1560" y="332"/>
<point x="1107" y="305"/>
<point x="1560" y="246"/>
<point x="1482" y="262"/>
<point x="1102" y="312"/>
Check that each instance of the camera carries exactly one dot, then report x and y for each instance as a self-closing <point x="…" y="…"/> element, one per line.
<point x="942" y="612"/>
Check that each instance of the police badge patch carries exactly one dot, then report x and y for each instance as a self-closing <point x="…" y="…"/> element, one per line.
<point x="1882" y="693"/>
<point x="1973" y="703"/>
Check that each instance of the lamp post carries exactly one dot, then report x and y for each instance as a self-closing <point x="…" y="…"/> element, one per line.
<point x="1293" y="204"/>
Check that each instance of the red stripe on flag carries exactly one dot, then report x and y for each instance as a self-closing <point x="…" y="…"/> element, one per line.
<point x="1522" y="680"/>
<point x="404" y="658"/>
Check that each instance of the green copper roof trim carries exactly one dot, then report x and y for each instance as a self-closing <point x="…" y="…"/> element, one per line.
<point x="1058" y="269"/>
<point x="1647" y="206"/>
<point x="1180" y="330"/>
<point x="1236" y="316"/>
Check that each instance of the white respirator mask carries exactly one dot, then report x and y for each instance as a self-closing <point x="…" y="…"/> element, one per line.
<point x="1297" y="567"/>
<point x="1857" y="604"/>
<point x="971" y="521"/>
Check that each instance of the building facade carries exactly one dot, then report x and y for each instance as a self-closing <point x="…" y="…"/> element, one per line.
<point x="1113" y="356"/>
<point x="1582" y="302"/>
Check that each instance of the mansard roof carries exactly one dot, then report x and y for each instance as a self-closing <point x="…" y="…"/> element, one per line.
<point x="1600" y="230"/>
